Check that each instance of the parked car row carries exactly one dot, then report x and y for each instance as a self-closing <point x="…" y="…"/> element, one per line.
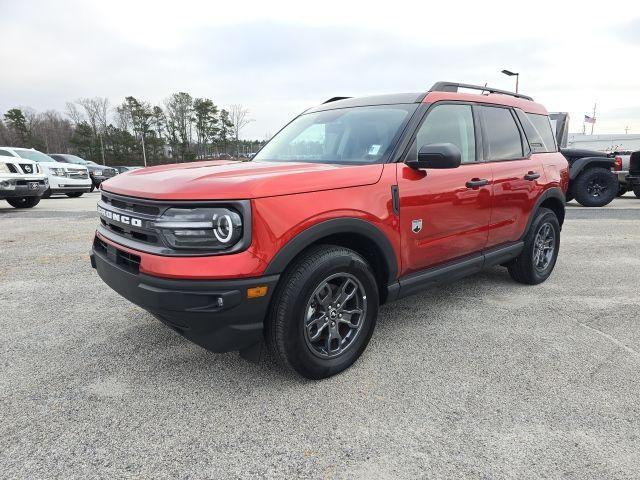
<point x="27" y="175"/>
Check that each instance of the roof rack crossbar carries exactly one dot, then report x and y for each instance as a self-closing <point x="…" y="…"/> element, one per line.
<point x="334" y="99"/>
<point x="453" y="87"/>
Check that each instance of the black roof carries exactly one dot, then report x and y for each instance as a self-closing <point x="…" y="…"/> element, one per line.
<point x="391" y="99"/>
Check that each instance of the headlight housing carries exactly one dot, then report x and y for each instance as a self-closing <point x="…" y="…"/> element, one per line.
<point x="4" y="168"/>
<point x="208" y="228"/>
<point x="97" y="173"/>
<point x="58" y="172"/>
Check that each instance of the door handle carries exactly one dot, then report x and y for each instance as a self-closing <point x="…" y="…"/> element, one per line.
<point x="531" y="176"/>
<point x="477" y="182"/>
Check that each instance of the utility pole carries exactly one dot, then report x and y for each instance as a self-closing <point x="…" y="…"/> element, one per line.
<point x="594" y="118"/>
<point x="626" y="130"/>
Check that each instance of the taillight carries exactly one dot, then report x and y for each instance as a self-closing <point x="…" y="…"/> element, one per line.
<point x="617" y="165"/>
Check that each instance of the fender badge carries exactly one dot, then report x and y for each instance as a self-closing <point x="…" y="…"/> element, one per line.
<point x="416" y="225"/>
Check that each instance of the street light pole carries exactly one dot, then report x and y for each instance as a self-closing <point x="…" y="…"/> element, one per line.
<point x="513" y="74"/>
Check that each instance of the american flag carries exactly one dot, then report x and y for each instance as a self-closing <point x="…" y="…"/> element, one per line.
<point x="588" y="119"/>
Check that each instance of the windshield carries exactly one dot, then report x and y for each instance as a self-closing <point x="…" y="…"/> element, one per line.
<point x="74" y="159"/>
<point x="357" y="135"/>
<point x="34" y="155"/>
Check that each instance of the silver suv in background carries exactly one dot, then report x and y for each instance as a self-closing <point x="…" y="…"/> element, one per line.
<point x="22" y="182"/>
<point x="98" y="173"/>
<point x="67" y="178"/>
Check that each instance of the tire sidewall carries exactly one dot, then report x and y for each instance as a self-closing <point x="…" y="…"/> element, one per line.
<point x="300" y="355"/>
<point x="580" y="187"/>
<point x="545" y="216"/>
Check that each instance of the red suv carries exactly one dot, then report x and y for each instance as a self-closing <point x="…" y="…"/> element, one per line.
<point x="354" y="203"/>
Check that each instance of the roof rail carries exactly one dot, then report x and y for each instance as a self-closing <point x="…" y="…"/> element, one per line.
<point x="335" y="99"/>
<point x="453" y="87"/>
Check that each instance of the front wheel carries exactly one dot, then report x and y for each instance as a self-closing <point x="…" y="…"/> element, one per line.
<point x="324" y="312"/>
<point x="595" y="187"/>
<point x="541" y="245"/>
<point x="23" y="202"/>
<point x="74" y="194"/>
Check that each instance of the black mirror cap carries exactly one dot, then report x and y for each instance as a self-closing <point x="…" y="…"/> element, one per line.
<point x="437" y="155"/>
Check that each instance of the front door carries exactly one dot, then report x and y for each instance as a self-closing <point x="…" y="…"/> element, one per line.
<point x="444" y="214"/>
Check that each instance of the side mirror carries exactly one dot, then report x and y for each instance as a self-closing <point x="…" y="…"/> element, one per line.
<point x="437" y="155"/>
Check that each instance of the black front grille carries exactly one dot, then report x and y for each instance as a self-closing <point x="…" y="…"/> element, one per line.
<point x="127" y="261"/>
<point x="26" y="182"/>
<point x="12" y="168"/>
<point x="131" y="205"/>
<point x="28" y="168"/>
<point x="634" y="163"/>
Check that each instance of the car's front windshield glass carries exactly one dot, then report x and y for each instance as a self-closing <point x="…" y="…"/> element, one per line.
<point x="34" y="155"/>
<point x="74" y="159"/>
<point x="356" y="135"/>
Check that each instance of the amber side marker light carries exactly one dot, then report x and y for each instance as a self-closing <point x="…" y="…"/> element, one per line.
<point x="256" y="292"/>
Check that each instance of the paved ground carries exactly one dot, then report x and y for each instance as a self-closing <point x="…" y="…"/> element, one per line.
<point x="484" y="378"/>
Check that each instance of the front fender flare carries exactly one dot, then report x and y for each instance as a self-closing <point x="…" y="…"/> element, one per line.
<point x="331" y="227"/>
<point x="579" y="165"/>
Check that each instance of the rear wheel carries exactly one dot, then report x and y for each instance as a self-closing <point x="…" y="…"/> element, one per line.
<point x="74" y="194"/>
<point x="541" y="245"/>
<point x="23" y="202"/>
<point x="324" y="312"/>
<point x="595" y="187"/>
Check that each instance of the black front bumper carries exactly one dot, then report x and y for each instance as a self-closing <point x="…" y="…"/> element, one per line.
<point x="216" y="315"/>
<point x="24" y="191"/>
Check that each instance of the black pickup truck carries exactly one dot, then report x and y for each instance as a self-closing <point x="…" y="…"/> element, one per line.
<point x="633" y="179"/>
<point x="591" y="179"/>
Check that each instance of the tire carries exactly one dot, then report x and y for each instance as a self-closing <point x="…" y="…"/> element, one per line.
<point x="23" y="202"/>
<point x="636" y="191"/>
<point x="93" y="187"/>
<point x="310" y="288"/>
<point x="622" y="190"/>
<point x="595" y="187"/>
<point x="524" y="268"/>
<point x="74" y="194"/>
<point x="47" y="193"/>
<point x="569" y="196"/>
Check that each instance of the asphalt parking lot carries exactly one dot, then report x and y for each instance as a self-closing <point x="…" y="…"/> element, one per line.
<point x="482" y="378"/>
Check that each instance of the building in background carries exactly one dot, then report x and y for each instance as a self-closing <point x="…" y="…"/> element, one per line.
<point x="605" y="143"/>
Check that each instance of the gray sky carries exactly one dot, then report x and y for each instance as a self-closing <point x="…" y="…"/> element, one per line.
<point x="278" y="58"/>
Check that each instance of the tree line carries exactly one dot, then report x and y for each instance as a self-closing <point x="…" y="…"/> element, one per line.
<point x="134" y="132"/>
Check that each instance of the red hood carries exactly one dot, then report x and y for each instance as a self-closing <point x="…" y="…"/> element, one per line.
<point x="226" y="180"/>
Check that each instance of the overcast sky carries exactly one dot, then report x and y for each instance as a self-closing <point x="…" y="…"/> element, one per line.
<point x="278" y="58"/>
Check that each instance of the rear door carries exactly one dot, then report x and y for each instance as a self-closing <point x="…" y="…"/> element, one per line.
<point x="518" y="175"/>
<point x="444" y="214"/>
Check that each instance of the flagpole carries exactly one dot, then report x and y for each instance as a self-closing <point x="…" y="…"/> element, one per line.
<point x="593" y="118"/>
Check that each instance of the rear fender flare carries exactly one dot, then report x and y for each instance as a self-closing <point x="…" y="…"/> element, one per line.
<point x="547" y="194"/>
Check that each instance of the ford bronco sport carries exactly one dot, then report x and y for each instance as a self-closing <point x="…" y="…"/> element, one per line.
<point x="356" y="202"/>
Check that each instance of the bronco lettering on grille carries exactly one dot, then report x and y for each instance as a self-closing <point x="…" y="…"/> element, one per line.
<point x="116" y="217"/>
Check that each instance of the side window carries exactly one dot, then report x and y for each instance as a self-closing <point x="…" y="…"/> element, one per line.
<point x="502" y="134"/>
<point x="4" y="153"/>
<point x="448" y="124"/>
<point x="543" y="126"/>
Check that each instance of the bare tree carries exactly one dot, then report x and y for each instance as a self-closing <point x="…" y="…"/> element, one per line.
<point x="73" y="113"/>
<point x="239" y="116"/>
<point x="96" y="110"/>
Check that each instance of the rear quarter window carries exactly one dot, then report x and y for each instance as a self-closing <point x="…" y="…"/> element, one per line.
<point x="544" y="132"/>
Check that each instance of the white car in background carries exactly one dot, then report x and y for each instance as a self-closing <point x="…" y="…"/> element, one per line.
<point x="22" y="182"/>
<point x="67" y="178"/>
